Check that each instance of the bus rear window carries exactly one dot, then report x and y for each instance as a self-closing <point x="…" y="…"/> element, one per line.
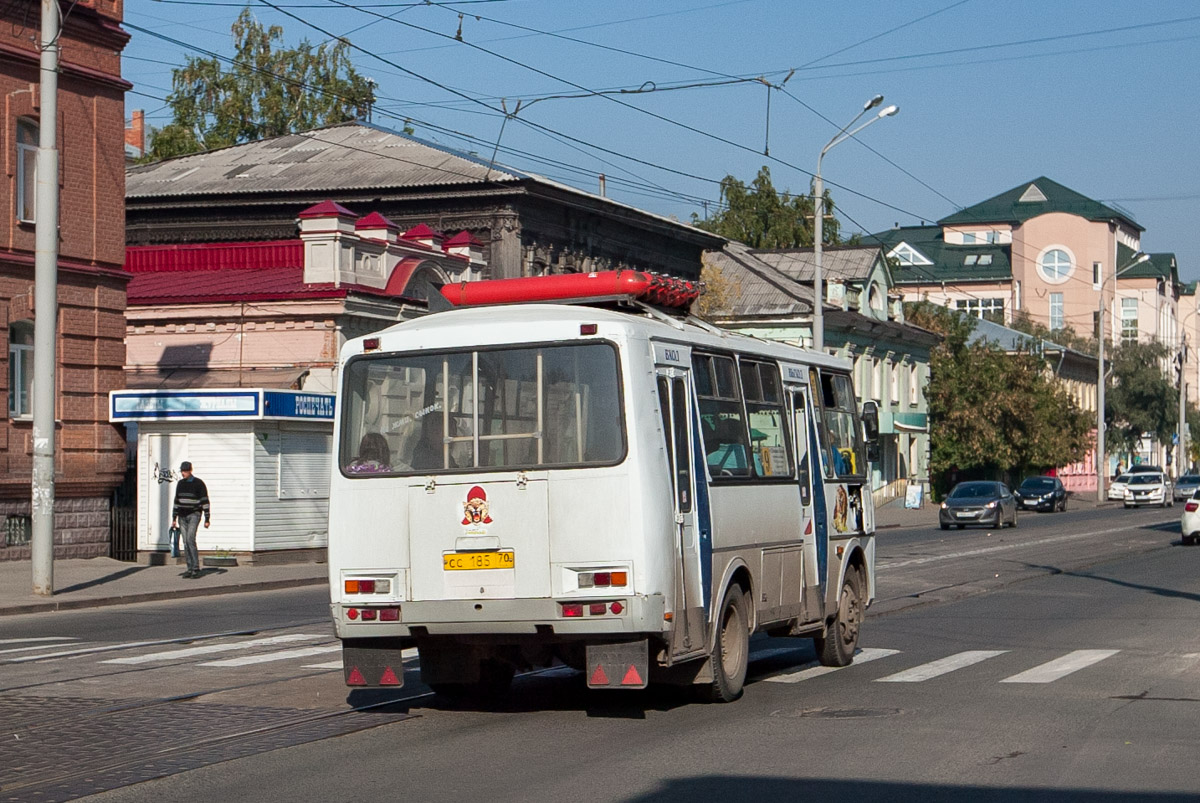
<point x="496" y="409"/>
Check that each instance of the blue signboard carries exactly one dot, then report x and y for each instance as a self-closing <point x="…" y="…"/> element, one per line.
<point x="235" y="404"/>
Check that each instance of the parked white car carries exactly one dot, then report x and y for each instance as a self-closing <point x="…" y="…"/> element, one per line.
<point x="1189" y="523"/>
<point x="1148" y="488"/>
<point x="1116" y="491"/>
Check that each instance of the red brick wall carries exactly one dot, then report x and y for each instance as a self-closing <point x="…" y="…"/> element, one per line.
<point x="90" y="456"/>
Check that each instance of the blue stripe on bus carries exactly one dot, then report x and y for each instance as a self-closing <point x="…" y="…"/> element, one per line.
<point x="820" y="523"/>
<point x="703" y="513"/>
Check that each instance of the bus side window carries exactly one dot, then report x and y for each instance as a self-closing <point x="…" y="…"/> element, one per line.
<point x="768" y="420"/>
<point x="842" y="453"/>
<point x="723" y="425"/>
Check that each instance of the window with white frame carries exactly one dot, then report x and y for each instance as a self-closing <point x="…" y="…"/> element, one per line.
<point x="877" y="381"/>
<point x="1056" y="311"/>
<point x="1055" y="265"/>
<point x="894" y="395"/>
<point x="27" y="148"/>
<point x="1097" y="270"/>
<point x="914" y="386"/>
<point x="20" y="369"/>
<point x="990" y="308"/>
<point x="1129" y="320"/>
<point x="905" y="254"/>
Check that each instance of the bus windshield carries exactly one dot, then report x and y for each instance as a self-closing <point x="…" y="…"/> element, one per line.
<point x="499" y="409"/>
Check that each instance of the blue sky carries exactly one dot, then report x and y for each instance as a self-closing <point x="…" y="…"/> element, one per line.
<point x="991" y="94"/>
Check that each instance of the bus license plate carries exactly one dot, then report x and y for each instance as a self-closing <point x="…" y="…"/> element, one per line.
<point x="458" y="561"/>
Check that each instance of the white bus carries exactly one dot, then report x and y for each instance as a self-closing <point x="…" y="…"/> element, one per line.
<point x="625" y="492"/>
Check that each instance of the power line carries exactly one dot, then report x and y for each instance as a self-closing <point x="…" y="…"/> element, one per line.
<point x="685" y="126"/>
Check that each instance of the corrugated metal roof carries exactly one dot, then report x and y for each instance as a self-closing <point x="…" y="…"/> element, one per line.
<point x="348" y="156"/>
<point x="755" y="288"/>
<point x="838" y="262"/>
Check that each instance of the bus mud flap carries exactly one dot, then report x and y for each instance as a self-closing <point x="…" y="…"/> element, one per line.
<point x="373" y="663"/>
<point x="622" y="665"/>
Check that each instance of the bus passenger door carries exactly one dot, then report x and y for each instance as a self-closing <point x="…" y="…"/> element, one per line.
<point x="675" y="402"/>
<point x="812" y="503"/>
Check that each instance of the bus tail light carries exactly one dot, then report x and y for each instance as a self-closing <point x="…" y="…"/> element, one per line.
<point x="597" y="609"/>
<point x="604" y="579"/>
<point x="378" y="585"/>
<point x="571" y="609"/>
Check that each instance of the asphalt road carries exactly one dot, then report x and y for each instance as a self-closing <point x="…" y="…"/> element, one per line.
<point x="1058" y="659"/>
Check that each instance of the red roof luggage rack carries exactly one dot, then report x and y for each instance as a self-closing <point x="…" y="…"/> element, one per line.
<point x="610" y="285"/>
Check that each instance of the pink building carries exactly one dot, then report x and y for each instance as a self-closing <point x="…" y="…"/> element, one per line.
<point x="275" y="313"/>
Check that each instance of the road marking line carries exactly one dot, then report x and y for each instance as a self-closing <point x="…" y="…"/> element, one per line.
<point x="1061" y="667"/>
<point x="36" y="638"/>
<point x="941" y="666"/>
<point x="285" y="655"/>
<point x="813" y="670"/>
<point x="970" y="553"/>
<point x="407" y="656"/>
<point x="207" y="649"/>
<point x="29" y="649"/>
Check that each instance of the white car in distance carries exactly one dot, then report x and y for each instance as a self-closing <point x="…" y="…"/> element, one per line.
<point x="1116" y="491"/>
<point x="1148" y="488"/>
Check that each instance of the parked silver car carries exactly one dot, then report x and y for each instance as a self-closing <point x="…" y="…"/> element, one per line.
<point x="1185" y="486"/>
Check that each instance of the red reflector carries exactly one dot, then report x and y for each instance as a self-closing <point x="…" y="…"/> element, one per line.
<point x="370" y="344"/>
<point x="389" y="614"/>
<point x="352" y="613"/>
<point x="808" y="528"/>
<point x="616" y="607"/>
<point x="572" y="609"/>
<point x="366" y="586"/>
<point x="1192" y="507"/>
<point x="355" y="678"/>
<point x="597" y="609"/>
<point x="587" y="328"/>
<point x="603" y="578"/>
<point x="389" y="678"/>
<point x="369" y="614"/>
<point x="598" y="677"/>
<point x="632" y="678"/>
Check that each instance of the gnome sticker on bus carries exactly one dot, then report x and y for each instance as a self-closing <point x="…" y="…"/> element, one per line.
<point x="475" y="509"/>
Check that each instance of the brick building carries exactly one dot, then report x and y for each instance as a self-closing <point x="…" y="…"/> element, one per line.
<point x="90" y="459"/>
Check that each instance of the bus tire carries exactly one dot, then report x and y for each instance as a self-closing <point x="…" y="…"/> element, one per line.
<point x="731" y="654"/>
<point x="837" y="646"/>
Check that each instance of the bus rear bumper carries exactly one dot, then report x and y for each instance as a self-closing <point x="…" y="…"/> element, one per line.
<point x="636" y="614"/>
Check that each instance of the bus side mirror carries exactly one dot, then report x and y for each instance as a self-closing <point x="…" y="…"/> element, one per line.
<point x="870" y="419"/>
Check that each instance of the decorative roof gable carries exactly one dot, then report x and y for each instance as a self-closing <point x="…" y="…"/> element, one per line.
<point x="1033" y="198"/>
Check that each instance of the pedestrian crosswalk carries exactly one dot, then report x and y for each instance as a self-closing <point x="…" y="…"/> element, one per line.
<point x="769" y="658"/>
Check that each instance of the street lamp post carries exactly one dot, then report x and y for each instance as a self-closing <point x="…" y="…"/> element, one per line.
<point x="1101" y="467"/>
<point x="819" y="213"/>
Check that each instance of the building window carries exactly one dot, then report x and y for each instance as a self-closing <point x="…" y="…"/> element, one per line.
<point x="990" y="308"/>
<point x="968" y="238"/>
<point x="20" y="369"/>
<point x="1056" y="310"/>
<point x="1097" y="268"/>
<point x="894" y="396"/>
<point x="1055" y="265"/>
<point x="905" y="254"/>
<point x="877" y="381"/>
<point x="27" y="148"/>
<point x="914" y="386"/>
<point x="1129" y="320"/>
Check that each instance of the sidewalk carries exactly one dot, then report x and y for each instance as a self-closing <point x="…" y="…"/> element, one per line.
<point x="91" y="583"/>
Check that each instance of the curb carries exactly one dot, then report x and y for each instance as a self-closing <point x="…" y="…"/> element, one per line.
<point x="151" y="596"/>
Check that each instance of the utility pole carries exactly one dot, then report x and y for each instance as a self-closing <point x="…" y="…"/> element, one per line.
<point x="1181" y="433"/>
<point x="45" y="326"/>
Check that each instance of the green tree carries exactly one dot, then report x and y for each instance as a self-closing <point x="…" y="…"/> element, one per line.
<point x="1063" y="337"/>
<point x="1140" y="397"/>
<point x="267" y="91"/>
<point x="993" y="413"/>
<point x="762" y="217"/>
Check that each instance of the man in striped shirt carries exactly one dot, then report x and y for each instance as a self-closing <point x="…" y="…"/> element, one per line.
<point x="191" y="500"/>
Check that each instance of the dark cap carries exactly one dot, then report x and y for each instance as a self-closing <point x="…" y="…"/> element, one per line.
<point x="185" y="466"/>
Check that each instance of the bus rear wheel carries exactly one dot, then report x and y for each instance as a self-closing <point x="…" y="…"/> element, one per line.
<point x="731" y="654"/>
<point x="837" y="646"/>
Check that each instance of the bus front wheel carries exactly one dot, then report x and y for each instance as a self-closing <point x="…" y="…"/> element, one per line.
<point x="731" y="654"/>
<point x="837" y="646"/>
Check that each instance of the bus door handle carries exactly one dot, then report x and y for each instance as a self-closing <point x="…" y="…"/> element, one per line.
<point x="679" y="518"/>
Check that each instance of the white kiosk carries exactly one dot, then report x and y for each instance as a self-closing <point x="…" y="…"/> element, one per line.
<point x="264" y="455"/>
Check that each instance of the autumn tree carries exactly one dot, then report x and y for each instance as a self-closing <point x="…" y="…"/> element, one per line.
<point x="762" y="217"/>
<point x="991" y="412"/>
<point x="266" y="91"/>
